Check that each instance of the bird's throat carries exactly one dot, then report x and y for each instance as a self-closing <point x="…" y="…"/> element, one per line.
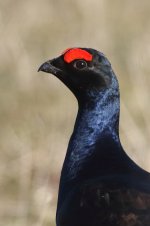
<point x="95" y="131"/>
<point x="96" y="126"/>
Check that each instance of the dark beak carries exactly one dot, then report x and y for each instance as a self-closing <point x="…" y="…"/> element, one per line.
<point x="45" y="67"/>
<point x="57" y="67"/>
<point x="50" y="66"/>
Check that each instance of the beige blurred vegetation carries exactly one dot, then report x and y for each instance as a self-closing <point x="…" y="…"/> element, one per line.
<point x="37" y="112"/>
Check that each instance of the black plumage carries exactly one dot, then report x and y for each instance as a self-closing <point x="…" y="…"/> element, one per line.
<point x="100" y="185"/>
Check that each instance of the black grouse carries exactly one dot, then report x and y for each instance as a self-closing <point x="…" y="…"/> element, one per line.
<point x="100" y="185"/>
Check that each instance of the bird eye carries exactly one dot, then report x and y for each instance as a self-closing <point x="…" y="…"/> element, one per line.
<point x="80" y="64"/>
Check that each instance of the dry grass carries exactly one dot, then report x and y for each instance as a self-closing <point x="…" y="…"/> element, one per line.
<point x="37" y="112"/>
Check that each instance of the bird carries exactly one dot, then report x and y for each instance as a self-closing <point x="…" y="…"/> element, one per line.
<point x="100" y="185"/>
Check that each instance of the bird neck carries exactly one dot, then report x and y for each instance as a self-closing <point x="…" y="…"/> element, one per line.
<point x="96" y="127"/>
<point x="94" y="145"/>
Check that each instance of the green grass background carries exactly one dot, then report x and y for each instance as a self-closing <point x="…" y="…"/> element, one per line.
<point x="37" y="111"/>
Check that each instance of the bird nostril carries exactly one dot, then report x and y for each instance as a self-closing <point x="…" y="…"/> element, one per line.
<point x="56" y="62"/>
<point x="53" y="62"/>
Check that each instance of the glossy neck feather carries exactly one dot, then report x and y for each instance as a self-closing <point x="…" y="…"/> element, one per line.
<point x="95" y="143"/>
<point x="96" y="125"/>
<point x="94" y="150"/>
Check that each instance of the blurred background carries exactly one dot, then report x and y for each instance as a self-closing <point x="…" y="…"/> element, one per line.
<point x="37" y="111"/>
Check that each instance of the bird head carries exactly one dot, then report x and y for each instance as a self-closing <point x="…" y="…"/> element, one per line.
<point x="82" y="70"/>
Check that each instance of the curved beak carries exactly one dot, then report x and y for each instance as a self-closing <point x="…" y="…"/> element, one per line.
<point x="45" y="67"/>
<point x="51" y="66"/>
<point x="56" y="67"/>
